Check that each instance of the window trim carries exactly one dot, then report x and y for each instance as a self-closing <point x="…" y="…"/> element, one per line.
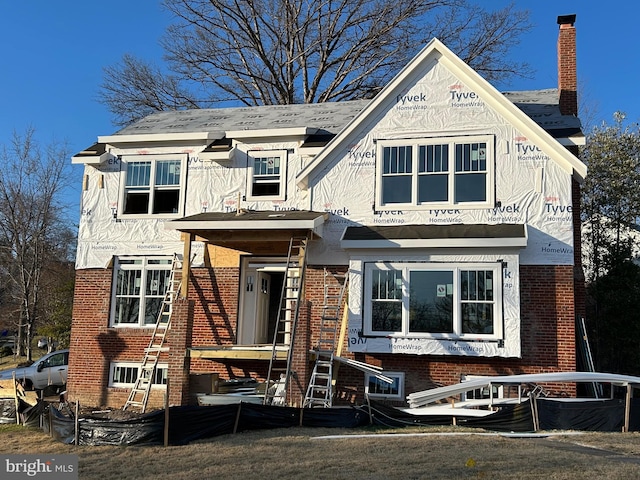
<point x="407" y="267"/>
<point x="283" y="154"/>
<point x="118" y="266"/>
<point x="415" y="143"/>
<point x="498" y="388"/>
<point x="154" y="385"/>
<point x="153" y="158"/>
<point x="399" y="375"/>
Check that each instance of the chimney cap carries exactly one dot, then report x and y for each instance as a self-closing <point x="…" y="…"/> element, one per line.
<point x="566" y="19"/>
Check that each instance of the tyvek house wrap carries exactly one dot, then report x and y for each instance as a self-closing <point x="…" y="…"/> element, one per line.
<point x="530" y="188"/>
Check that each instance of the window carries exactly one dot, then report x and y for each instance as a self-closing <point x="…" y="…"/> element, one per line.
<point x="56" y="360"/>
<point x="435" y="172"/>
<point x="433" y="300"/>
<point x="497" y="391"/>
<point x="267" y="174"/>
<point x="124" y="374"/>
<point x="138" y="290"/>
<point x="152" y="185"/>
<point x="377" y="388"/>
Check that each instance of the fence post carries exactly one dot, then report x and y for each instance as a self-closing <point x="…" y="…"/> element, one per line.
<point x="77" y="423"/>
<point x="166" y="415"/>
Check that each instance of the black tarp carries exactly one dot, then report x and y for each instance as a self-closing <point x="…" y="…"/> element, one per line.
<point x="7" y="410"/>
<point x="189" y="423"/>
<point x="59" y="426"/>
<point x="592" y="415"/>
<point x="30" y="414"/>
<point x="389" y="416"/>
<point x="334" y="417"/>
<point x="146" y="429"/>
<point x="510" y="418"/>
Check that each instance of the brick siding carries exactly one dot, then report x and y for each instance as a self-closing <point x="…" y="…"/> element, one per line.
<point x="209" y="317"/>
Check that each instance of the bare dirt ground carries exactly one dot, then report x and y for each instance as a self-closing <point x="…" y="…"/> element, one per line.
<point x="322" y="453"/>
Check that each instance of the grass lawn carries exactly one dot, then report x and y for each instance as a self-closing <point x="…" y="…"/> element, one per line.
<point x="433" y="453"/>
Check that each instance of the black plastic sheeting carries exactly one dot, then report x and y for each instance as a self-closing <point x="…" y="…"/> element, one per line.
<point x="190" y="423"/>
<point x="606" y="415"/>
<point x="144" y="430"/>
<point x="59" y="426"/>
<point x="593" y="415"/>
<point x="29" y="414"/>
<point x="7" y="410"/>
<point x="510" y="418"/>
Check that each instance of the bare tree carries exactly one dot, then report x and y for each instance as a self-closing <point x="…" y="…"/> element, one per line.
<point x="33" y="233"/>
<point x="267" y="52"/>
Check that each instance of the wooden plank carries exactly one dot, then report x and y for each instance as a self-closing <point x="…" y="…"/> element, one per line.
<point x="186" y="264"/>
<point x="166" y="415"/>
<point x="237" y="353"/>
<point x="627" y="408"/>
<point x="343" y="325"/>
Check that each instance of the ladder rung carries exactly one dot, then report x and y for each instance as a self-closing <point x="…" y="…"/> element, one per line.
<point x="322" y="351"/>
<point x="156" y="348"/>
<point x="320" y="388"/>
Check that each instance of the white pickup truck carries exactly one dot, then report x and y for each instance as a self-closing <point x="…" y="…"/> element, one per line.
<point x="48" y="370"/>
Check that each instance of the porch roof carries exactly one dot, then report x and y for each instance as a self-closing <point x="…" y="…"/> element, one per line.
<point x="250" y="225"/>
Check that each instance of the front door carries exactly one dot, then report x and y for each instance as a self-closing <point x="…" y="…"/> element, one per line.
<point x="261" y="288"/>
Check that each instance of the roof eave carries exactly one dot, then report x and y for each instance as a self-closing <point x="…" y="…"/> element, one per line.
<point x="160" y="137"/>
<point x="271" y="132"/>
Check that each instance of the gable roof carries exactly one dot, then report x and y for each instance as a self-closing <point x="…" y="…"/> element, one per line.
<point x="436" y="51"/>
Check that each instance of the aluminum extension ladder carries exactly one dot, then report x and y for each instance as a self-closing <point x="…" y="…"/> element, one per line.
<point x="288" y="314"/>
<point x="139" y="395"/>
<point x="320" y="388"/>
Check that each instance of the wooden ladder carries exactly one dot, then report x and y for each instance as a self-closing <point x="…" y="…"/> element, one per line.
<point x="288" y="314"/>
<point x="320" y="389"/>
<point x="139" y="395"/>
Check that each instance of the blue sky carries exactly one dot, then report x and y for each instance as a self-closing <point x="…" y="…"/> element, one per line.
<point x="54" y="53"/>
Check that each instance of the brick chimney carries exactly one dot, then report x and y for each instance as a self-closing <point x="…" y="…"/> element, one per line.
<point x="567" y="70"/>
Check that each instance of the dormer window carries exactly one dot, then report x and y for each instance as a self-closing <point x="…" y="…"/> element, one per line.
<point x="153" y="185"/>
<point x="267" y="174"/>
<point x="436" y="173"/>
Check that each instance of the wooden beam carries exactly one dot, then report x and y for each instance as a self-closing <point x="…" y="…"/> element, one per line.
<point x="186" y="264"/>
<point x="236" y="353"/>
<point x="343" y="326"/>
<point x="627" y="408"/>
<point x="166" y="416"/>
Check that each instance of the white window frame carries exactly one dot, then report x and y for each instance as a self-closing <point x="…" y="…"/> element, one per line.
<point x="281" y="176"/>
<point x="152" y="189"/>
<point x="414" y="144"/>
<point x="134" y="374"/>
<point x="481" y="393"/>
<point x="405" y="268"/>
<point x="369" y="377"/>
<point x="144" y="264"/>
